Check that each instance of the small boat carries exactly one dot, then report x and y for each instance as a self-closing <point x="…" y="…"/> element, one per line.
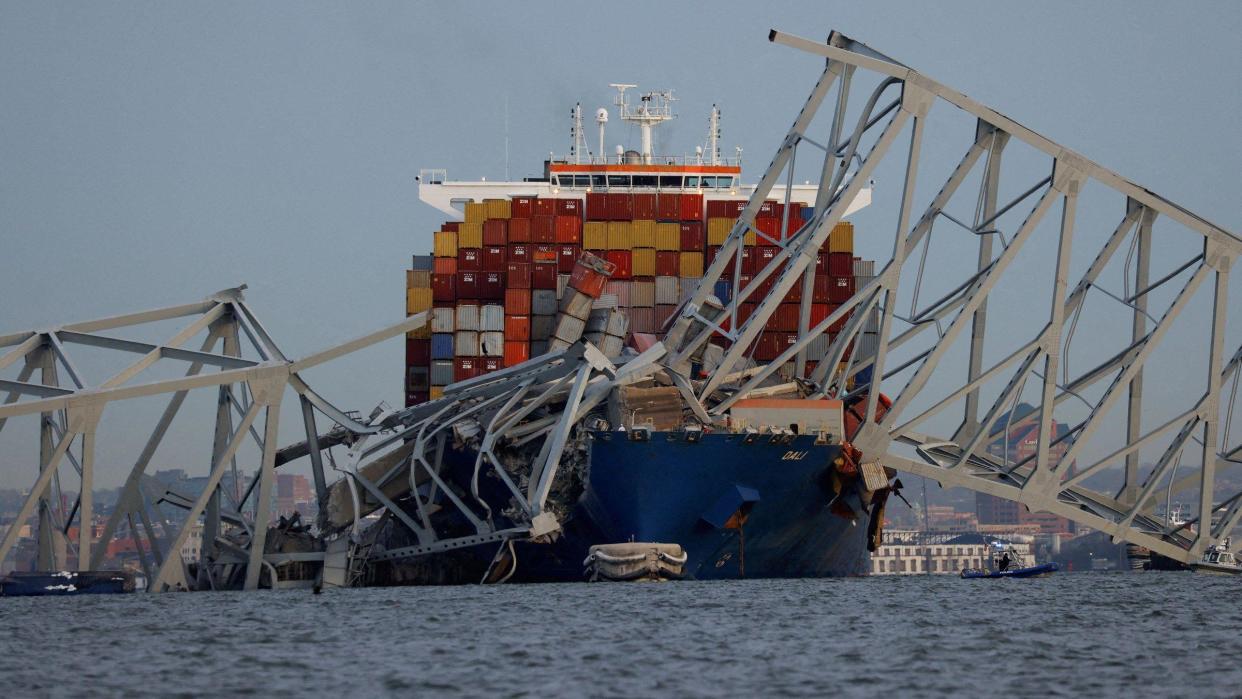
<point x="1218" y="560"/>
<point x="1035" y="571"/>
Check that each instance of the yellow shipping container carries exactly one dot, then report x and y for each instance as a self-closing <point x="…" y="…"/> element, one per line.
<point x="476" y="212"/>
<point x="437" y="392"/>
<point x="668" y="236"/>
<point x="619" y="237"/>
<point x="496" y="208"/>
<point x="691" y="265"/>
<point x="470" y="235"/>
<point x="718" y="230"/>
<point x="842" y="238"/>
<point x="417" y="279"/>
<point x="423" y="333"/>
<point x="642" y="234"/>
<point x="444" y="244"/>
<point x="642" y="262"/>
<point x="595" y="235"/>
<point x="417" y="300"/>
<point x="751" y="237"/>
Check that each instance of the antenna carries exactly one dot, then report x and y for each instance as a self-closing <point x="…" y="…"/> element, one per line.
<point x="656" y="109"/>
<point x="601" y="118"/>
<point x="713" y="136"/>
<point x="577" y="136"/>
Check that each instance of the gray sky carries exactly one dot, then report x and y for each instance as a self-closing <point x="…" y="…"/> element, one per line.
<point x="151" y="153"/>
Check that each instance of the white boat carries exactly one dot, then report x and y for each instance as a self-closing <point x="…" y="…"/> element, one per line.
<point x="1218" y="560"/>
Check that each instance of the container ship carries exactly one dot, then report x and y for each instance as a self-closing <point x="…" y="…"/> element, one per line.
<point x="606" y="249"/>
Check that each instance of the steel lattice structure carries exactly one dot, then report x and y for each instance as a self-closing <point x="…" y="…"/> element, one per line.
<point x="394" y="460"/>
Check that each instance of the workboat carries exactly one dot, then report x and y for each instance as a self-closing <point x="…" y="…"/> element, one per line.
<point x="769" y="494"/>
<point x="1035" y="571"/>
<point x="66" y="582"/>
<point x="1218" y="560"/>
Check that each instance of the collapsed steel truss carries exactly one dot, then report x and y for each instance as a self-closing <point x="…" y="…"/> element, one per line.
<point x="395" y="459"/>
<point x="1042" y="481"/>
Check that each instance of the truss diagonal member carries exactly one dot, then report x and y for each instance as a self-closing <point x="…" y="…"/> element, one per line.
<point x="1211" y="421"/>
<point x="836" y="350"/>
<point x="805" y="244"/>
<point x="1185" y="419"/>
<point x="36" y="492"/>
<point x="1134" y="213"/>
<point x="26" y="343"/>
<point x="153" y="353"/>
<point x="676" y="336"/>
<point x="975" y="296"/>
<point x="985" y="427"/>
<point x="1131" y="367"/>
<point x="172" y="565"/>
<point x="541" y="482"/>
<point x="1156" y="475"/>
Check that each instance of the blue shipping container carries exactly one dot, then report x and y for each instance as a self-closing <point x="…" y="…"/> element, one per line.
<point x="723" y="290"/>
<point x="442" y="346"/>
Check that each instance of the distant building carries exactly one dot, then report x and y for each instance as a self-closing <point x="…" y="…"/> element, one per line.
<point x="905" y="552"/>
<point x="293" y="494"/>
<point x="1022" y="443"/>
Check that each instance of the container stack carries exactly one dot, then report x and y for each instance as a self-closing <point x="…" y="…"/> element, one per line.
<point x="511" y="281"/>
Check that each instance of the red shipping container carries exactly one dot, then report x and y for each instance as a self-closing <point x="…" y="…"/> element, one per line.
<point x="766" y="209"/>
<point x="417" y="352"/>
<point x="717" y="208"/>
<point x="517" y="301"/>
<point x="495" y="231"/>
<point x="519" y="230"/>
<point x="413" y="398"/>
<point x="624" y="262"/>
<point x="566" y="257"/>
<point x="764" y="254"/>
<point x="795" y="215"/>
<point x="493" y="258"/>
<point x="469" y="259"/>
<point x="644" y="206"/>
<point x="569" y="207"/>
<point x="543" y="253"/>
<point x="596" y="206"/>
<point x="516" y="352"/>
<point x="454" y="226"/>
<point x="519" y="274"/>
<point x="444" y="287"/>
<point x="517" y="327"/>
<point x="691" y="207"/>
<point x="750" y="260"/>
<point x="543" y="275"/>
<point x="819" y="312"/>
<point x="794" y="295"/>
<point x="465" y="368"/>
<point x="840" y="264"/>
<point x="784" y="318"/>
<point x="468" y="285"/>
<point x="587" y="280"/>
<point x="821" y="263"/>
<point x="840" y="289"/>
<point x="544" y="207"/>
<point x="620" y="206"/>
<point x="821" y="294"/>
<point x="771" y="227"/>
<point x="743" y="281"/>
<point x="543" y="229"/>
<point x="491" y="364"/>
<point x="692" y="238"/>
<point x="492" y="285"/>
<point x="668" y="207"/>
<point x="518" y="253"/>
<point x="668" y="263"/>
<point x="568" y="229"/>
<point x="520" y="208"/>
<point x="710" y="256"/>
<point x="444" y="265"/>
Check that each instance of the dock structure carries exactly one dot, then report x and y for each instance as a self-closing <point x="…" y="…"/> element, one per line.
<point x="954" y="378"/>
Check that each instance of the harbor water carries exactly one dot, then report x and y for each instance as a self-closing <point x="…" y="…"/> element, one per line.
<point x="1089" y="634"/>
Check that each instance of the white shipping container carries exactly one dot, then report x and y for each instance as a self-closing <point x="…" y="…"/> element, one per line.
<point x="597" y="321"/>
<point x="618" y="323"/>
<point x="492" y="318"/>
<point x="543" y="302"/>
<point x="569" y="328"/>
<point x="557" y="345"/>
<point x="864" y="268"/>
<point x="443" y="320"/>
<point x="492" y="344"/>
<point x="867" y="345"/>
<point x="861" y="281"/>
<point x="818" y="347"/>
<point x="688" y="287"/>
<point x="562" y="282"/>
<point x="667" y="289"/>
<point x="576" y="304"/>
<point x="466" y="343"/>
<point x="612" y="346"/>
<point x="441" y="372"/>
<point x="605" y="301"/>
<point x="872" y="324"/>
<point x="642" y="294"/>
<point x="467" y="319"/>
<point x="621" y="290"/>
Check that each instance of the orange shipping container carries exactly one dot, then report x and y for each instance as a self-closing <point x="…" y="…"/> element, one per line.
<point x="516" y="352"/>
<point x="517" y="328"/>
<point x="517" y="302"/>
<point x="445" y="265"/>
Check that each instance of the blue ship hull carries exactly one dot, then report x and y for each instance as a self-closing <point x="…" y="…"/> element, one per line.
<point x="671" y="490"/>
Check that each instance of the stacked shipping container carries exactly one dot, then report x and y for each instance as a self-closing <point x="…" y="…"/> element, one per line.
<point x="507" y="283"/>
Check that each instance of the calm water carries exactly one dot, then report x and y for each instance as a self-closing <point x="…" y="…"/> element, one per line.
<point x="1171" y="634"/>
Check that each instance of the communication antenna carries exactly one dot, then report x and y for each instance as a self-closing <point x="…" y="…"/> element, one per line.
<point x="713" y="136"/>
<point x="601" y="118"/>
<point x="655" y="109"/>
<point x="577" y="136"/>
